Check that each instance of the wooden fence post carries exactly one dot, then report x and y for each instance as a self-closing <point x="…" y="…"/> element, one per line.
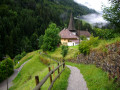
<point x="50" y="75"/>
<point x="58" y="69"/>
<point x="37" y="80"/>
<point x="54" y="72"/>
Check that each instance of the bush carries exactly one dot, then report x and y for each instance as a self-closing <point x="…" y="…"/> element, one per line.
<point x="64" y="50"/>
<point x="18" y="57"/>
<point x="84" y="47"/>
<point x="83" y="37"/>
<point x="94" y="41"/>
<point x="6" y="69"/>
<point x="23" y="54"/>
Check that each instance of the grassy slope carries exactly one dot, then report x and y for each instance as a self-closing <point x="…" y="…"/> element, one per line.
<point x="71" y="52"/>
<point x="103" y="43"/>
<point x="25" y="58"/>
<point x="25" y="79"/>
<point x="96" y="78"/>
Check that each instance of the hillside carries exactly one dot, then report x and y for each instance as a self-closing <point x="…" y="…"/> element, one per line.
<point x="23" y="21"/>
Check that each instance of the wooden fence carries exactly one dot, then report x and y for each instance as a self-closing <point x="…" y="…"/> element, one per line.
<point x="39" y="84"/>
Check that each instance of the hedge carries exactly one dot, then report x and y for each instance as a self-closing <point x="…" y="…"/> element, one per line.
<point x="6" y="69"/>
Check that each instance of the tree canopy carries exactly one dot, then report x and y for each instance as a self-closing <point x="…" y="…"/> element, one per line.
<point x="51" y="38"/>
<point x="112" y="13"/>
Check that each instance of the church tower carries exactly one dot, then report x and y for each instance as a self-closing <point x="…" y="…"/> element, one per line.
<point x="71" y="26"/>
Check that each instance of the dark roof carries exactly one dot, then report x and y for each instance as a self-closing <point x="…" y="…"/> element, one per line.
<point x="71" y="26"/>
<point x="65" y="33"/>
<point x="84" y="33"/>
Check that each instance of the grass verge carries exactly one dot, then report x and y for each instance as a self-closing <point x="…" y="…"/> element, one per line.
<point x="72" y="51"/>
<point x="62" y="82"/>
<point x="25" y="58"/>
<point x="95" y="77"/>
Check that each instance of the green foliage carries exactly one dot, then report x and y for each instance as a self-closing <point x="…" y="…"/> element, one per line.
<point x="18" y="57"/>
<point x="104" y="33"/>
<point x="64" y="50"/>
<point x="112" y="13"/>
<point x="62" y="82"/>
<point x="83" y="37"/>
<point x="51" y="38"/>
<point x="6" y="68"/>
<point x="85" y="46"/>
<point x="23" y="54"/>
<point x="41" y="41"/>
<point x="94" y="41"/>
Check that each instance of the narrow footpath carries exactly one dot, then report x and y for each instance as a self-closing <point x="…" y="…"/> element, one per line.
<point x="3" y="85"/>
<point x="76" y="80"/>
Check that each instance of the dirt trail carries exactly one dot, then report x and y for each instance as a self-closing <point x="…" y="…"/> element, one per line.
<point x="76" y="80"/>
<point x="3" y="85"/>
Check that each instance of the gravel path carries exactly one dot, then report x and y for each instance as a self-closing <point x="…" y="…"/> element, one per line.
<point x="3" y="85"/>
<point x="76" y="80"/>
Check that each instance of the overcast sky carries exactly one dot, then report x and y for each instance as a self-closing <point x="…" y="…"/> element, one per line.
<point x="94" y="4"/>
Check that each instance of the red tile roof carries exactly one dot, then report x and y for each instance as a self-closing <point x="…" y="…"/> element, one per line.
<point x="65" y="33"/>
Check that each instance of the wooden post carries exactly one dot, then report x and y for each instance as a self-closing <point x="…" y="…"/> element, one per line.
<point x="58" y="69"/>
<point x="37" y="80"/>
<point x="50" y="75"/>
<point x="54" y="72"/>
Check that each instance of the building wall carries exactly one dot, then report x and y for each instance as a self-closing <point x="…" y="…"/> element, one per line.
<point x="64" y="41"/>
<point x="67" y="42"/>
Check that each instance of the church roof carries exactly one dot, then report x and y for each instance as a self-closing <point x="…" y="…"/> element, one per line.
<point x="71" y="26"/>
<point x="65" y="33"/>
<point x="83" y="33"/>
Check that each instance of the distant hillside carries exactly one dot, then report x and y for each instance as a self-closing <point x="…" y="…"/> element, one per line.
<point x="23" y="21"/>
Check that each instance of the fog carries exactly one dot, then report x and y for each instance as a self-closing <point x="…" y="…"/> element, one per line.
<point x="94" y="18"/>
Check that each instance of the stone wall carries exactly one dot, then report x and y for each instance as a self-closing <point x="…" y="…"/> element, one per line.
<point x="108" y="60"/>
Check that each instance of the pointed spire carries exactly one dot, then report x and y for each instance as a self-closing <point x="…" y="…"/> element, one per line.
<point x="71" y="26"/>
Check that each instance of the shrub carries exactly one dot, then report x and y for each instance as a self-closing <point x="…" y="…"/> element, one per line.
<point x="83" y="37"/>
<point x="6" y="69"/>
<point x="23" y="54"/>
<point x="17" y="58"/>
<point x="84" y="47"/>
<point x="64" y="50"/>
<point x="94" y="41"/>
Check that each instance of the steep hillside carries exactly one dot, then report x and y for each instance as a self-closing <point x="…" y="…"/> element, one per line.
<point x="23" y="21"/>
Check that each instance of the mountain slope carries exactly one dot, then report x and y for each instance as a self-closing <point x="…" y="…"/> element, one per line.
<point x="23" y="21"/>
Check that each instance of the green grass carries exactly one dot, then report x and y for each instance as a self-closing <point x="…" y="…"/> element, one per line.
<point x="96" y="78"/>
<point x="25" y="80"/>
<point x="25" y="58"/>
<point x="73" y="50"/>
<point x="103" y="43"/>
<point x="62" y="82"/>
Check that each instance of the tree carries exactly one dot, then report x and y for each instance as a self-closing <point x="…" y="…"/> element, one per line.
<point x="112" y="13"/>
<point x="51" y="38"/>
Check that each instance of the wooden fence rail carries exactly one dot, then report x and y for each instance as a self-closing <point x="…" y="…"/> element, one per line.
<point x="39" y="84"/>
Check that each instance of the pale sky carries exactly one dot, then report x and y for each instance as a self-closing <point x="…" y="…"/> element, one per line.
<point x="94" y="4"/>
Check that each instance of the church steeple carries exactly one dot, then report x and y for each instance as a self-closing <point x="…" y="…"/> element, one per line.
<point x="71" y="26"/>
